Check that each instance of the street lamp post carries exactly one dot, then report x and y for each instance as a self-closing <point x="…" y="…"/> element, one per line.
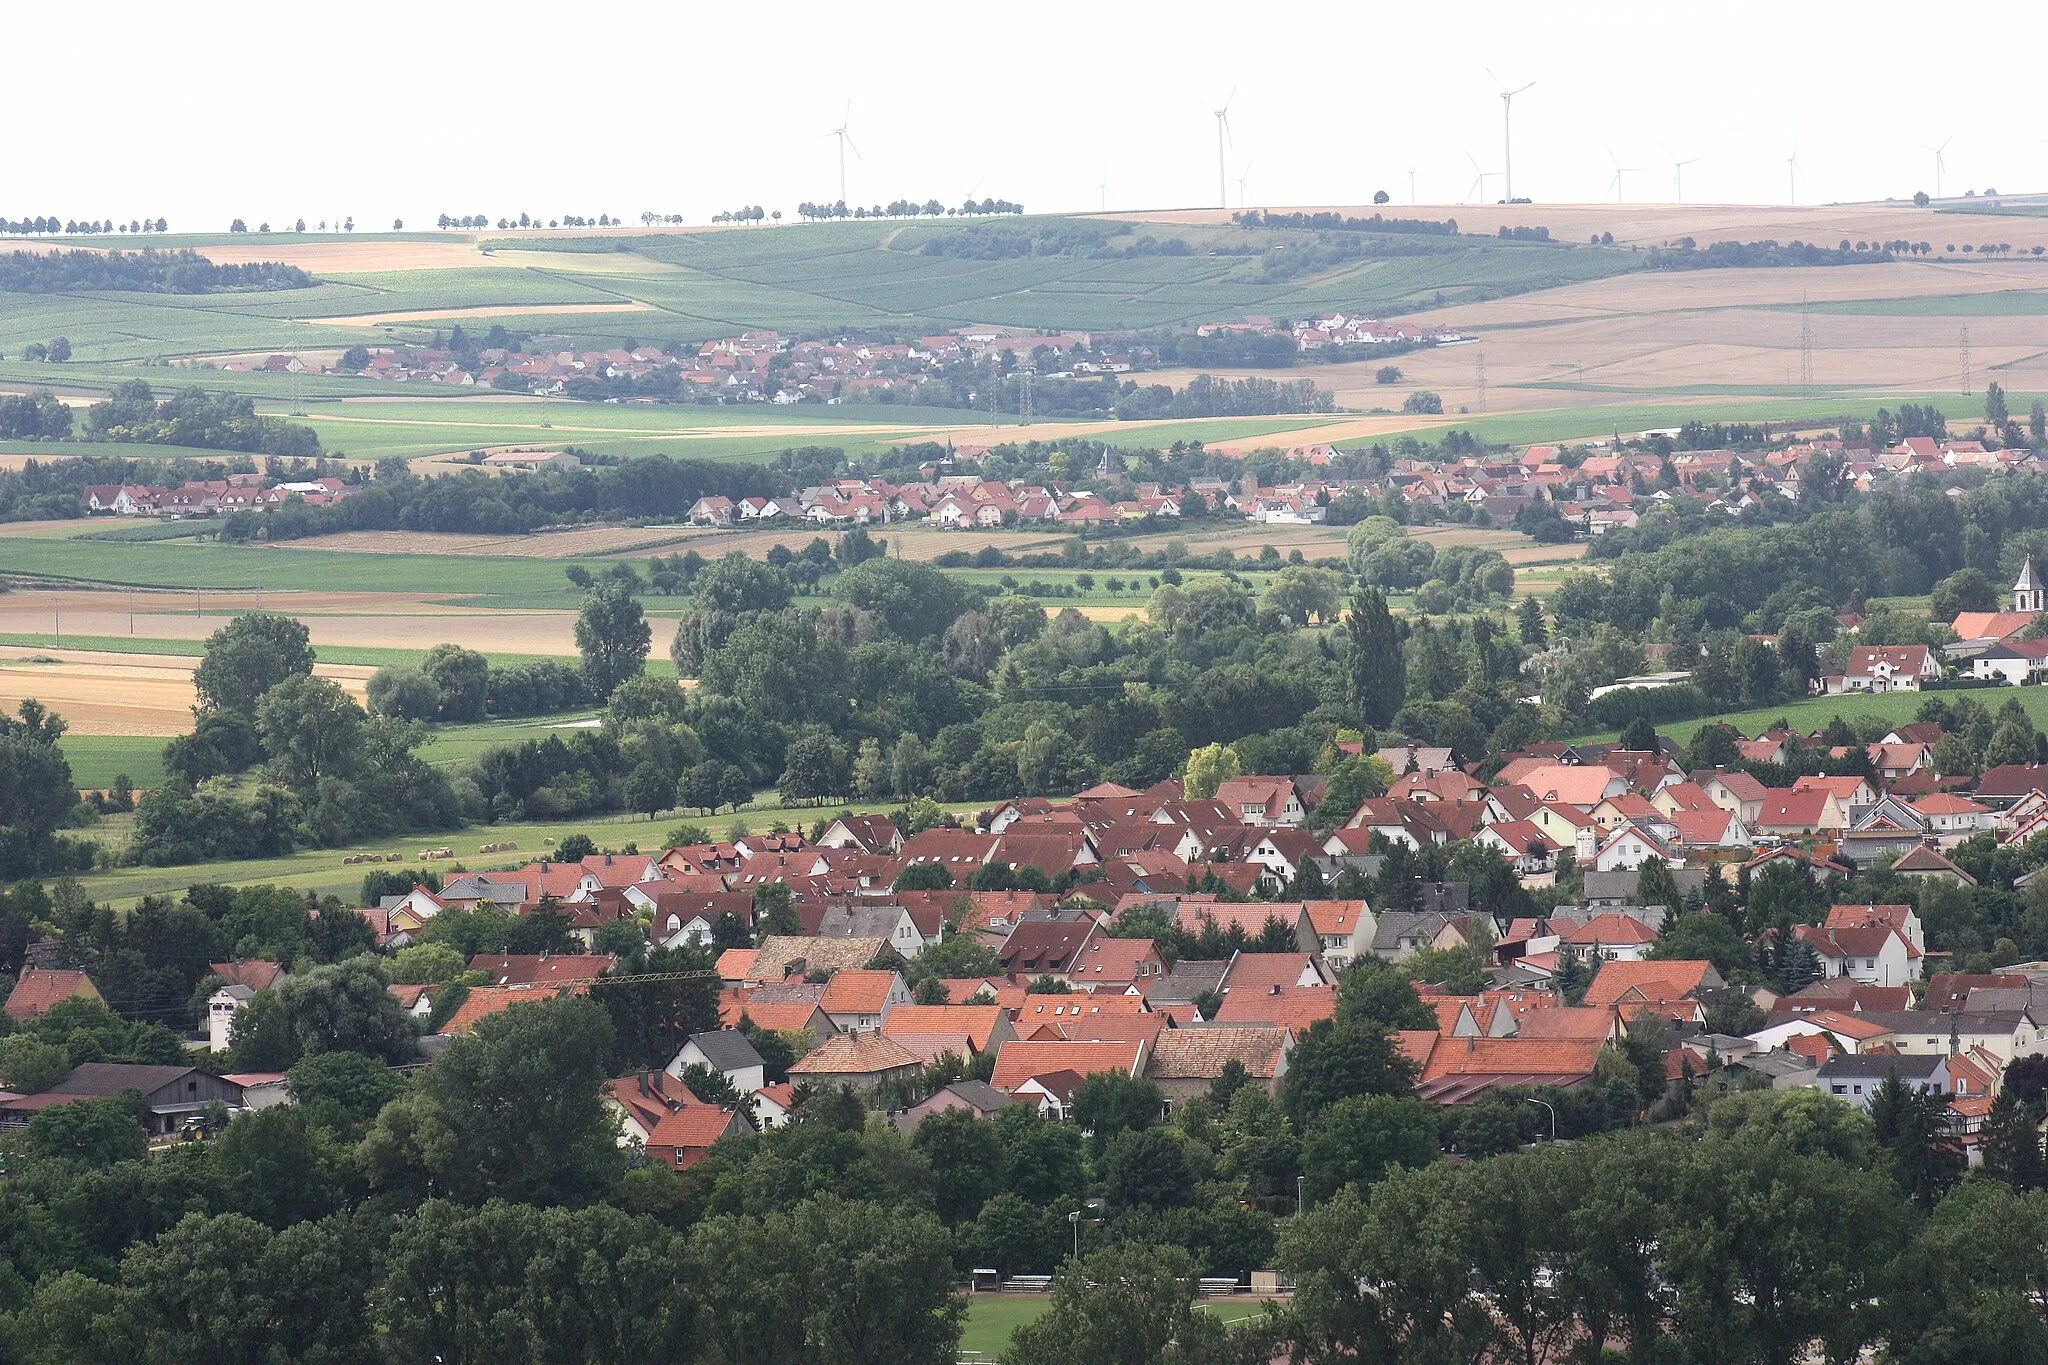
<point x="1300" y="1182"/>
<point x="1553" y="1114"/>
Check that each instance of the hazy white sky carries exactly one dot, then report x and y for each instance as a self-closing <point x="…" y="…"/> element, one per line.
<point x="205" y="112"/>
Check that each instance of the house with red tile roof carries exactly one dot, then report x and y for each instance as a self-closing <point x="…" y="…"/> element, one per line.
<point x="961" y="852"/>
<point x="40" y="988"/>
<point x="1739" y="792"/>
<point x="1343" y="929"/>
<point x="1019" y="1062"/>
<point x="1046" y="946"/>
<point x="1790" y="814"/>
<point x="1460" y="1070"/>
<point x="1261" y="800"/>
<point x="794" y="1015"/>
<point x="862" y="999"/>
<point x="983" y="1026"/>
<point x="1952" y="818"/>
<point x="1614" y="937"/>
<point x="539" y="969"/>
<point x="1902" y="918"/>
<point x="1295" y="1008"/>
<point x="1926" y="862"/>
<point x="1251" y="917"/>
<point x="1117" y="966"/>
<point x="485" y="1001"/>
<point x="1887" y="668"/>
<point x="1619" y="983"/>
<point x="1583" y="786"/>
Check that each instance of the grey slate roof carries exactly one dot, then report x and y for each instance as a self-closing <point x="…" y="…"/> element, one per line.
<point x="99" y="1079"/>
<point x="726" y="1049"/>
<point x="1188" y="980"/>
<point x="1878" y="1065"/>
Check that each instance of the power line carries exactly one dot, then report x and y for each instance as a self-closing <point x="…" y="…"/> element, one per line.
<point x="1966" y="361"/>
<point x="1479" y="378"/>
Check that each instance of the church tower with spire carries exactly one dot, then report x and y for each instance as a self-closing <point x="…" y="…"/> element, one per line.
<point x="2027" y="593"/>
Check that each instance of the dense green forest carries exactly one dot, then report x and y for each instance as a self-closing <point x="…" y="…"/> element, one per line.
<point x="147" y="271"/>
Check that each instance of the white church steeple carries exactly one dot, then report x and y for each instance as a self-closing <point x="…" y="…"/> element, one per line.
<point x="2027" y="593"/>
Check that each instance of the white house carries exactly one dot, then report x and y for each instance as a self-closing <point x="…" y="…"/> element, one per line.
<point x="1875" y="954"/>
<point x="726" y="1052"/>
<point x="1888" y="668"/>
<point x="1856" y="1079"/>
<point x="1629" y="847"/>
<point x="220" y="1015"/>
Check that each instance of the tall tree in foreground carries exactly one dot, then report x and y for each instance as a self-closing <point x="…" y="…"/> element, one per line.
<point x="1379" y="673"/>
<point x="613" y="636"/>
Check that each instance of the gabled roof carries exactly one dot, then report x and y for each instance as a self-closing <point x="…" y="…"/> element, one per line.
<point x="484" y="1001"/>
<point x="855" y="1054"/>
<point x="258" y="974"/>
<point x="1200" y="1053"/>
<point x="40" y="988"/>
<point x="527" y="969"/>
<point x="1925" y="861"/>
<point x="858" y="991"/>
<point x="778" y="953"/>
<point x="1037" y="946"/>
<point x="1267" y="972"/>
<point x="976" y="1023"/>
<point x="1800" y="809"/>
<point x="1652" y="980"/>
<point x="1019" y="1061"/>
<point x="726" y="1049"/>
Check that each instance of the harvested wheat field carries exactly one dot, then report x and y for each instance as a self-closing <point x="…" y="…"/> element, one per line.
<point x="121" y="694"/>
<point x="355" y="258"/>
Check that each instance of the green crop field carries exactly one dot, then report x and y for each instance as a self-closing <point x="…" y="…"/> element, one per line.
<point x="2008" y="303"/>
<point x="96" y="760"/>
<point x="179" y="564"/>
<point x="799" y="278"/>
<point x="1813" y="713"/>
<point x="323" y="870"/>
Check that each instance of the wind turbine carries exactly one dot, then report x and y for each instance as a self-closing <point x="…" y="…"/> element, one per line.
<point x="1507" y="143"/>
<point x="1411" y="185"/>
<point x="1223" y="136"/>
<point x="1619" y="171"/>
<point x="1479" y="178"/>
<point x="1103" y="189"/>
<point x="1678" y="176"/>
<point x="1940" y="162"/>
<point x="1792" y="171"/>
<point x="845" y="141"/>
<point x="1240" y="184"/>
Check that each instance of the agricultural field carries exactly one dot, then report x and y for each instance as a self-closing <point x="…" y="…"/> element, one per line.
<point x="324" y="871"/>
<point x="1812" y="713"/>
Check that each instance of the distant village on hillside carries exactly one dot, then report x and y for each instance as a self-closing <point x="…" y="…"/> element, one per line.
<point x="766" y="367"/>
